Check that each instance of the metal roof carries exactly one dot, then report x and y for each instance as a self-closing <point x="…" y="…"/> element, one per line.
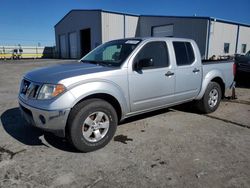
<point x="97" y="10"/>
<point x="185" y="17"/>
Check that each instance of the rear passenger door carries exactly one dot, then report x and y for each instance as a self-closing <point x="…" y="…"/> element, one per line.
<point x="152" y="86"/>
<point x="188" y="71"/>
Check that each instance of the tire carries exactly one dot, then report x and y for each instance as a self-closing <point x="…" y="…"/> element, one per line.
<point x="91" y="125"/>
<point x="211" y="98"/>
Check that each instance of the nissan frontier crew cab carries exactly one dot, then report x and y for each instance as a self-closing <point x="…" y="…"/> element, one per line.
<point x="85" y="101"/>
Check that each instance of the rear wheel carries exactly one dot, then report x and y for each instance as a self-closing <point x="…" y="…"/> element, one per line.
<point x="211" y="98"/>
<point x="91" y="125"/>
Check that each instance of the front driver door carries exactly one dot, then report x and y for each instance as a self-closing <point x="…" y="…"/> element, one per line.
<point x="152" y="86"/>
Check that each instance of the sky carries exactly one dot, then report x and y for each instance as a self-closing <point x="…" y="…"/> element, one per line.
<point x="29" y="22"/>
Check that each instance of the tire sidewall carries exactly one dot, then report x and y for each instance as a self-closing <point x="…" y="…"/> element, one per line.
<point x="76" y="135"/>
<point x="211" y="86"/>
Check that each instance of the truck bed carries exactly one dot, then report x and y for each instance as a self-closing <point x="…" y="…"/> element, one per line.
<point x="225" y="67"/>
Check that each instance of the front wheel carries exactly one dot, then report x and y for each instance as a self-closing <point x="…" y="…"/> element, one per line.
<point x="91" y="125"/>
<point x="211" y="98"/>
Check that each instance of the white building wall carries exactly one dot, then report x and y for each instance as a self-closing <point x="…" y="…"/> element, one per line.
<point x="221" y="33"/>
<point x="112" y="26"/>
<point x="131" y="23"/>
<point x="244" y="38"/>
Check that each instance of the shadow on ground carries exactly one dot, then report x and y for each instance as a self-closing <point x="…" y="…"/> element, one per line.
<point x="16" y="126"/>
<point x="242" y="80"/>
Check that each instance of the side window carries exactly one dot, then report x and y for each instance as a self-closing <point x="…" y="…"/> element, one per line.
<point x="226" y="48"/>
<point x="243" y="48"/>
<point x="184" y="53"/>
<point x="157" y="51"/>
<point x="190" y="52"/>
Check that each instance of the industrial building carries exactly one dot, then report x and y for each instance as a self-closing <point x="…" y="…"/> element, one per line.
<point x="80" y="31"/>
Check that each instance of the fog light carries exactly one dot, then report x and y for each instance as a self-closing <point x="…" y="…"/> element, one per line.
<point x="42" y="119"/>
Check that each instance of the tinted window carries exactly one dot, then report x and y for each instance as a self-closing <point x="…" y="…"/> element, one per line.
<point x="184" y="53"/>
<point x="243" y="48"/>
<point x="226" y="48"/>
<point x="157" y="51"/>
<point x="190" y="52"/>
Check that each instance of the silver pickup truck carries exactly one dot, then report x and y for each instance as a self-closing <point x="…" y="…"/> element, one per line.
<point x="86" y="100"/>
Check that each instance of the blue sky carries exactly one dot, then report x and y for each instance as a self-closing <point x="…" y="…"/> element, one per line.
<point x="29" y="22"/>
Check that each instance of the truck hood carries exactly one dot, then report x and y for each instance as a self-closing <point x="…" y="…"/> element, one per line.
<point x="54" y="74"/>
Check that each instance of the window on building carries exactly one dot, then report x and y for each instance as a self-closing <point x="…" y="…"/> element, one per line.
<point x="157" y="51"/>
<point x="184" y="53"/>
<point x="243" y="48"/>
<point x="226" y="48"/>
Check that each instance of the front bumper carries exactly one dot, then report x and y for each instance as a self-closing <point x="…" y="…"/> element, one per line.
<point x="49" y="120"/>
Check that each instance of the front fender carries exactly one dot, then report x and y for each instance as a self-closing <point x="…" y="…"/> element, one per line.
<point x="207" y="79"/>
<point x="101" y="87"/>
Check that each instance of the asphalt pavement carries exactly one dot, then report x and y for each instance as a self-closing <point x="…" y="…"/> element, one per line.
<point x="174" y="147"/>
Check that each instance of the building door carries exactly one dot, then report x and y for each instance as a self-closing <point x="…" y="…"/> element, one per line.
<point x="72" y="45"/>
<point x="163" y="31"/>
<point x="63" y="50"/>
<point x="85" y="41"/>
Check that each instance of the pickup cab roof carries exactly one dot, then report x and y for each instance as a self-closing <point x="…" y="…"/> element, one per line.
<point x="158" y="38"/>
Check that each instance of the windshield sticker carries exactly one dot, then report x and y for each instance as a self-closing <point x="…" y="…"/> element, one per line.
<point x="132" y="41"/>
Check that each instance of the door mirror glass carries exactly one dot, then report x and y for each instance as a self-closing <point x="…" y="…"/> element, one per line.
<point x="143" y="63"/>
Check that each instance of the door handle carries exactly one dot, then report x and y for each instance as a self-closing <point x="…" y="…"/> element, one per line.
<point x="196" y="70"/>
<point x="169" y="73"/>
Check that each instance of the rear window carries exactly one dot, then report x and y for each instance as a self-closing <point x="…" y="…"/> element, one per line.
<point x="184" y="53"/>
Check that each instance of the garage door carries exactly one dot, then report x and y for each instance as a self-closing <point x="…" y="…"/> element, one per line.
<point x="72" y="45"/>
<point x="63" y="50"/>
<point x="163" y="31"/>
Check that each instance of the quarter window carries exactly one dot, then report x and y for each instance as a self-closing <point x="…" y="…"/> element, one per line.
<point x="243" y="48"/>
<point x="184" y="53"/>
<point x="157" y="51"/>
<point x="226" y="48"/>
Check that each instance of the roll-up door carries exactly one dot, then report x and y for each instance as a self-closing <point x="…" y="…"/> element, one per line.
<point x="163" y="31"/>
<point x="63" y="50"/>
<point x="72" y="45"/>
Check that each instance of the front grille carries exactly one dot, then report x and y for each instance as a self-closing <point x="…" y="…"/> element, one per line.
<point x="29" y="90"/>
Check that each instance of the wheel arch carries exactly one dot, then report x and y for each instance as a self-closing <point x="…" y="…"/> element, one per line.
<point x="104" y="96"/>
<point x="219" y="81"/>
<point x="108" y="98"/>
<point x="212" y="76"/>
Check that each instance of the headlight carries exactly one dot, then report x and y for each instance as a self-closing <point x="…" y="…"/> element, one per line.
<point x="48" y="91"/>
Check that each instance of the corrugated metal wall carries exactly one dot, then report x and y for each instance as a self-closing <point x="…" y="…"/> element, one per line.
<point x="76" y="21"/>
<point x="244" y="38"/>
<point x="106" y="26"/>
<point x="221" y="33"/>
<point x="195" y="29"/>
<point x="131" y="26"/>
<point x="116" y="26"/>
<point x="112" y="26"/>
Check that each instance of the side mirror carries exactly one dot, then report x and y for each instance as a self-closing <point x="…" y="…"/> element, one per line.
<point x="142" y="63"/>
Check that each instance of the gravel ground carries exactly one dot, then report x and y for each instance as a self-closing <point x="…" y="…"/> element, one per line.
<point x="168" y="148"/>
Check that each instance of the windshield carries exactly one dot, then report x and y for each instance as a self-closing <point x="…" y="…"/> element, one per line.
<point x="112" y="53"/>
